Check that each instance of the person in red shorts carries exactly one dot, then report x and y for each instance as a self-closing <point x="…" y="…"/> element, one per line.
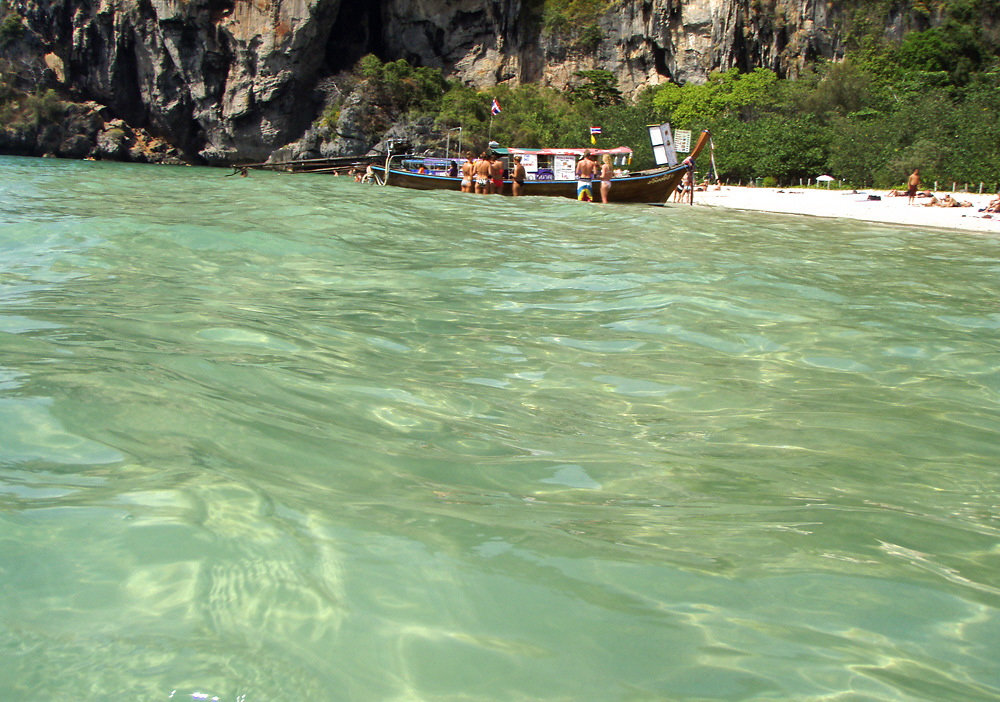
<point x="496" y="174"/>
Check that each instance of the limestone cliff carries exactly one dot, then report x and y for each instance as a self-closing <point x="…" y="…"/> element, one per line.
<point x="234" y="80"/>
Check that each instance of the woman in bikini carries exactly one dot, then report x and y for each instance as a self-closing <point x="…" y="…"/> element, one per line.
<point x="517" y="177"/>
<point x="607" y="173"/>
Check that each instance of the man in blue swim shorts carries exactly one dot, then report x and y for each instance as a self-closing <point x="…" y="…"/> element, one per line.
<point x="585" y="168"/>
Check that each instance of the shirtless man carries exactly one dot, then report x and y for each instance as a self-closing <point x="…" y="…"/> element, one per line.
<point x="585" y="168"/>
<point x="496" y="174"/>
<point x="468" y="172"/>
<point x="482" y="173"/>
<point x="911" y="186"/>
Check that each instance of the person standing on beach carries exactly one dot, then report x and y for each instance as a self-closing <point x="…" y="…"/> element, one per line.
<point x="584" y="176"/>
<point x="911" y="186"/>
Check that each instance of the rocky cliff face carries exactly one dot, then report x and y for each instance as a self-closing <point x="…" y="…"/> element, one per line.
<point x="234" y="80"/>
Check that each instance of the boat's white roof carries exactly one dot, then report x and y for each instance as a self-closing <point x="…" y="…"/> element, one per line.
<point x="620" y="150"/>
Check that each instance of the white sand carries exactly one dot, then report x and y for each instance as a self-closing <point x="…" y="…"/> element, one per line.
<point x="855" y="205"/>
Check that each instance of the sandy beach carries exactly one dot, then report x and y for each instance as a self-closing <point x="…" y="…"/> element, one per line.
<point x="855" y="205"/>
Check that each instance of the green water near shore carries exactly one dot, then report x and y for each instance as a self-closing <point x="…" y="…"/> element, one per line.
<point x="290" y="437"/>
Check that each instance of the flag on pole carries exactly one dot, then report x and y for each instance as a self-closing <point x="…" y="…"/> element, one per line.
<point x="594" y="131"/>
<point x="495" y="109"/>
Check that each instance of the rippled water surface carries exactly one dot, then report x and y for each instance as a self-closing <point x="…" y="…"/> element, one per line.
<point x="289" y="437"/>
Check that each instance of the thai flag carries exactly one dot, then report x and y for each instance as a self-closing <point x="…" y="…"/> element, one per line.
<point x="594" y="131"/>
<point x="496" y="107"/>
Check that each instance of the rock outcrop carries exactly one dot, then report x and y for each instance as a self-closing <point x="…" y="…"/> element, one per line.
<point x="227" y="81"/>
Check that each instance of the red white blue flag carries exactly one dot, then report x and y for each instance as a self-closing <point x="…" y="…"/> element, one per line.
<point x="594" y="131"/>
<point x="496" y="107"/>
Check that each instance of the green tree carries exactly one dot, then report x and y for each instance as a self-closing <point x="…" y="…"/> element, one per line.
<point x="11" y="25"/>
<point x="600" y="88"/>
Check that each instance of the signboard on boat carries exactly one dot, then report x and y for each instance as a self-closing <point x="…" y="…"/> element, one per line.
<point x="682" y="140"/>
<point x="662" y="141"/>
<point x="565" y="167"/>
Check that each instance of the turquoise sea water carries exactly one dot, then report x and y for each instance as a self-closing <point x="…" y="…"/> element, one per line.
<point x="289" y="437"/>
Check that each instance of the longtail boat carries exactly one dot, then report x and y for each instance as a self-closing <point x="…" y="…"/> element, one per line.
<point x="548" y="177"/>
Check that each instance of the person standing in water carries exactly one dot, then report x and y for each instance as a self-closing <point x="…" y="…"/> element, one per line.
<point x="496" y="174"/>
<point x="607" y="173"/>
<point x="468" y="172"/>
<point x="517" y="177"/>
<point x="584" y="177"/>
<point x="482" y="174"/>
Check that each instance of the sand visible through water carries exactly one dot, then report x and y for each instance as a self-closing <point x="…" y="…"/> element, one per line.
<point x="295" y="438"/>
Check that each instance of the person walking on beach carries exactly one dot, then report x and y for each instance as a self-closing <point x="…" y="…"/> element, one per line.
<point x="517" y="177"/>
<point x="911" y="186"/>
<point x="584" y="176"/>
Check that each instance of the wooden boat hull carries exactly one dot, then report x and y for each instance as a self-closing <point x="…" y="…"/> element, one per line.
<point x="653" y="186"/>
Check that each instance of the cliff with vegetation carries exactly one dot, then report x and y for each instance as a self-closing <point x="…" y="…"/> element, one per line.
<point x="228" y="81"/>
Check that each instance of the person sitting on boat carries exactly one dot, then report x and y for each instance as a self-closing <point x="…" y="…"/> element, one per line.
<point x="496" y="173"/>
<point x="517" y="177"/>
<point x="422" y="170"/>
<point x="468" y="172"/>
<point x="585" y="169"/>
<point x="453" y="170"/>
<point x="482" y="171"/>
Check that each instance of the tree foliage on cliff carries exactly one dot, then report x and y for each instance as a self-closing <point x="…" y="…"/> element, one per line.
<point x="856" y="119"/>
<point x="930" y="101"/>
